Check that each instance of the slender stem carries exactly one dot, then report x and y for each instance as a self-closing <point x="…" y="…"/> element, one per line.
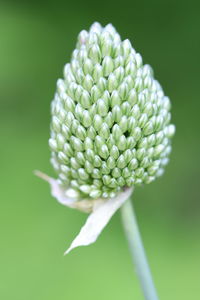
<point x="137" y="251"/>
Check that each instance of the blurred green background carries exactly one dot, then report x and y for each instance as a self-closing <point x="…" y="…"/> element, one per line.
<point x="36" y="40"/>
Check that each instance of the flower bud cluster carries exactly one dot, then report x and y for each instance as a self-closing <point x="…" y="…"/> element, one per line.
<point x="110" y="118"/>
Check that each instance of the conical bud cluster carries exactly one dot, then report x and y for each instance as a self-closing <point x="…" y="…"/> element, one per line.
<point x="110" y="118"/>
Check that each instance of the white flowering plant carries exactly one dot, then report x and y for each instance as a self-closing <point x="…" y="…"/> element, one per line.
<point x="110" y="131"/>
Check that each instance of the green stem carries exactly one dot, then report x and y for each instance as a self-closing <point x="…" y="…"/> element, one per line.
<point x="137" y="250"/>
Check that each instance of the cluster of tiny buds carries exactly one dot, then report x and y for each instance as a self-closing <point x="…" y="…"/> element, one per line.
<point x="110" y="118"/>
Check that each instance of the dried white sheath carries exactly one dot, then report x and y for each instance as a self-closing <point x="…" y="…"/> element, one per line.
<point x="101" y="211"/>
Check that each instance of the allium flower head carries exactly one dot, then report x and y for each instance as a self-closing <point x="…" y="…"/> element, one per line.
<point x="110" y="118"/>
<point x="110" y="129"/>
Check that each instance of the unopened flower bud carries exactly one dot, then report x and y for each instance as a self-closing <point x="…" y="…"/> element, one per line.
<point x="110" y="118"/>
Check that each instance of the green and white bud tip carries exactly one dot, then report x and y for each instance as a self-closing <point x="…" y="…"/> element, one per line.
<point x="110" y="124"/>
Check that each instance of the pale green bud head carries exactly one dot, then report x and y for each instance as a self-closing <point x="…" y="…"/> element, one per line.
<point x="110" y="123"/>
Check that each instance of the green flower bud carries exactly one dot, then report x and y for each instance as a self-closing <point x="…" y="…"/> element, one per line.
<point x="112" y="83"/>
<point x="106" y="179"/>
<point x="53" y="145"/>
<point x="85" y="100"/>
<point x="102" y="108"/>
<point x="94" y="53"/>
<point x="86" y="119"/>
<point x="107" y="65"/>
<point x="88" y="144"/>
<point x="104" y="131"/>
<point x="110" y="123"/>
<point x="103" y="151"/>
<point x="89" y="154"/>
<point x="114" y="152"/>
<point x="121" y="162"/>
<point x="111" y="162"/>
<point x="80" y="158"/>
<point x="87" y="66"/>
<point x="74" y="163"/>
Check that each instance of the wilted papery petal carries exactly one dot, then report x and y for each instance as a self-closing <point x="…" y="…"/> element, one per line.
<point x="98" y="219"/>
<point x="101" y="211"/>
<point x="70" y="200"/>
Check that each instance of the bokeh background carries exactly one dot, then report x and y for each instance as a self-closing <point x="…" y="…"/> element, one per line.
<point x="36" y="40"/>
